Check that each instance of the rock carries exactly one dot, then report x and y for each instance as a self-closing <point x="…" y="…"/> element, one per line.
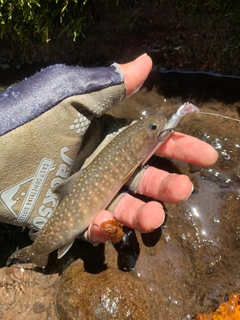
<point x="111" y="294"/>
<point x="26" y="294"/>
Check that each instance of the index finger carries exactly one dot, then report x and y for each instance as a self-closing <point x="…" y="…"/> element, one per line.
<point x="188" y="149"/>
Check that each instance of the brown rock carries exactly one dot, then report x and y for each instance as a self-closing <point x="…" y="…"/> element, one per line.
<point x="26" y="294"/>
<point x="111" y="294"/>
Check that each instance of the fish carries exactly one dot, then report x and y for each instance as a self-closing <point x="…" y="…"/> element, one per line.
<point x="91" y="189"/>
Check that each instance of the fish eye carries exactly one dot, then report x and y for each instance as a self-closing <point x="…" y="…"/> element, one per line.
<point x="153" y="126"/>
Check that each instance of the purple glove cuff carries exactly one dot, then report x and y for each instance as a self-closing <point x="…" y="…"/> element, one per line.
<point x="30" y="98"/>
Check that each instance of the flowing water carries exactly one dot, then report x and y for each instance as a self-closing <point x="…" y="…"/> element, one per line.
<point x="183" y="268"/>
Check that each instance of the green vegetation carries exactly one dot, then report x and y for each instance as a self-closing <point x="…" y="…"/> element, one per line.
<point x="218" y="9"/>
<point x="25" y="20"/>
<point x="41" y="20"/>
<point x="221" y="8"/>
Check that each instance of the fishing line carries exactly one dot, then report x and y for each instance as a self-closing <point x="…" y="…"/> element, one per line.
<point x="219" y="115"/>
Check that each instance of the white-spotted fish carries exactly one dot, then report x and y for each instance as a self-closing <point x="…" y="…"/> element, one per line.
<point x="90" y="190"/>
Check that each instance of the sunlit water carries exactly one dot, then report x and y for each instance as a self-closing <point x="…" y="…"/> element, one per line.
<point x="201" y="234"/>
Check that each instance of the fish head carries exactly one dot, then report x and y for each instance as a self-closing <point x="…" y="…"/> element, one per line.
<point x="162" y="127"/>
<point x="154" y="125"/>
<point x="146" y="137"/>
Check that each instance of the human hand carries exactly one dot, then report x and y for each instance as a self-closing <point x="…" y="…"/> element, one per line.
<point x="155" y="183"/>
<point x="43" y="121"/>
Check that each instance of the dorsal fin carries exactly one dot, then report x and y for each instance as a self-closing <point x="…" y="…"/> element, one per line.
<point x="64" y="188"/>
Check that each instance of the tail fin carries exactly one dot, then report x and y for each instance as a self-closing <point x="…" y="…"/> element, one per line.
<point x="26" y="254"/>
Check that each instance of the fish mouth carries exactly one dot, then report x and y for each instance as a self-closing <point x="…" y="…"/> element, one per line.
<point x="163" y="135"/>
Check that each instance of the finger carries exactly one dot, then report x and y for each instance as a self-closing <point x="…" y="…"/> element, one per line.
<point x="95" y="234"/>
<point x="161" y="185"/>
<point x="188" y="149"/>
<point x="138" y="215"/>
<point x="132" y="212"/>
<point x="136" y="72"/>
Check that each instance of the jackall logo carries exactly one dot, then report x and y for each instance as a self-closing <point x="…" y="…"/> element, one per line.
<point x="26" y="192"/>
<point x="51" y="199"/>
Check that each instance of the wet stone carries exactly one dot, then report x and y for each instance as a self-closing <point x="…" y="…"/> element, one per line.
<point x="27" y="294"/>
<point x="38" y="308"/>
<point x="111" y="294"/>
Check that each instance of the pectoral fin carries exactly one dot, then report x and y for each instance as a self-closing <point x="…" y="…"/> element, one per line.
<point x="125" y="179"/>
<point x="64" y="249"/>
<point x="66" y="186"/>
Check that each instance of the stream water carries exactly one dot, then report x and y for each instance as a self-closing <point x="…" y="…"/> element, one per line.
<point x="181" y="269"/>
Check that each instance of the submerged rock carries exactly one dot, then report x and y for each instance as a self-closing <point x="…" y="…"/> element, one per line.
<point x="27" y="294"/>
<point x="110" y="294"/>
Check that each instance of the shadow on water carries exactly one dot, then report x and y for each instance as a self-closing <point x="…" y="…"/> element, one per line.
<point x="199" y="86"/>
<point x="12" y="74"/>
<point x="188" y="265"/>
<point x="10" y="238"/>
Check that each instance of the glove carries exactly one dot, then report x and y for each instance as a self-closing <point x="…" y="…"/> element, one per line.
<point x="43" y="122"/>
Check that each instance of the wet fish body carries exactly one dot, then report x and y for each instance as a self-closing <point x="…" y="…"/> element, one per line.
<point x="90" y="190"/>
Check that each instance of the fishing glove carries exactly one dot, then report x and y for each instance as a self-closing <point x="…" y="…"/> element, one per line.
<point x="44" y="121"/>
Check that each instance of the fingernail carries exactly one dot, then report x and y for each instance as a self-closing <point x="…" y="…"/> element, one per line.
<point x="160" y="224"/>
<point x="141" y="56"/>
<point x="190" y="192"/>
